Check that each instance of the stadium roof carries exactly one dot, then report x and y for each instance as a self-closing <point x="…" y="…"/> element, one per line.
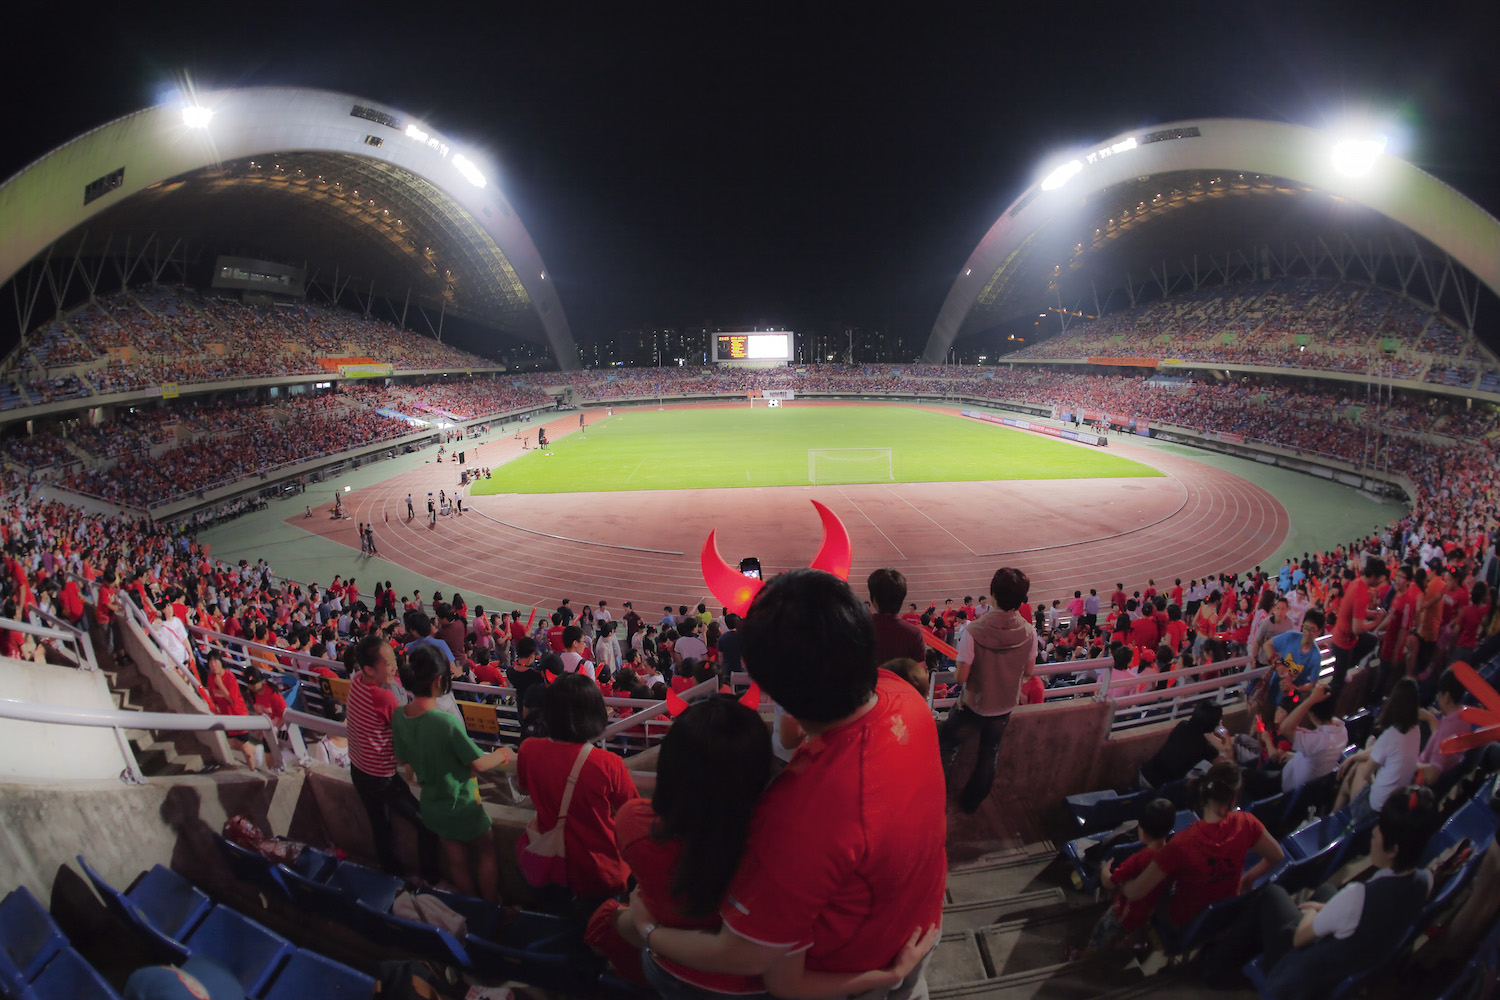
<point x="346" y="185"/>
<point x="1186" y="200"/>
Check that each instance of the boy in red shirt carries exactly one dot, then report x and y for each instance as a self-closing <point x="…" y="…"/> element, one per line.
<point x="1124" y="917"/>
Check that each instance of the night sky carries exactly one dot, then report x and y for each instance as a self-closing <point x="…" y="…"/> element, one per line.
<point x="800" y="164"/>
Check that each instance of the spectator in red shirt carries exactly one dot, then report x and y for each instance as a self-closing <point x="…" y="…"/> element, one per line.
<point x="1124" y="916"/>
<point x="1205" y="862"/>
<point x="1119" y="598"/>
<point x="684" y="844"/>
<point x="1351" y="641"/>
<point x="575" y="716"/>
<point x="1177" y="629"/>
<point x="1466" y="631"/>
<point x="845" y="866"/>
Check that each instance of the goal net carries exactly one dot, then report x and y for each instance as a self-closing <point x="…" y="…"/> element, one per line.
<point x="828" y="466"/>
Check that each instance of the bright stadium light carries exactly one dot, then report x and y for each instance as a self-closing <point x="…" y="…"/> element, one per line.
<point x="1356" y="156"/>
<point x="1061" y="175"/>
<point x="195" y="116"/>
<point x="471" y="173"/>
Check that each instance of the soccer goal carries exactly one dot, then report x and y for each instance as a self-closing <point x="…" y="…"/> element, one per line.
<point x="849" y="465"/>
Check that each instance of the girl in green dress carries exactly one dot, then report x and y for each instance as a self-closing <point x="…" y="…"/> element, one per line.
<point x="445" y="760"/>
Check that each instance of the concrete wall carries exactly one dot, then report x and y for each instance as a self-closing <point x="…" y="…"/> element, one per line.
<point x="122" y="829"/>
<point x="43" y="753"/>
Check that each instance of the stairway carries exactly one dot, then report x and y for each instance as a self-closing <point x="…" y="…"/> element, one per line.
<point x="159" y="754"/>
<point x="1008" y="922"/>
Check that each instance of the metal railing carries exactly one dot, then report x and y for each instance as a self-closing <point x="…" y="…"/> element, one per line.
<point x="120" y="721"/>
<point x="69" y="642"/>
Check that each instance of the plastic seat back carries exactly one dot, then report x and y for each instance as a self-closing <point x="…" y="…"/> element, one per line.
<point x="172" y="903"/>
<point x="248" y="866"/>
<point x="28" y="935"/>
<point x="421" y="940"/>
<point x="120" y="905"/>
<point x="375" y="889"/>
<point x="251" y="952"/>
<point x="314" y="897"/>
<point x="307" y="975"/>
<point x="69" y="977"/>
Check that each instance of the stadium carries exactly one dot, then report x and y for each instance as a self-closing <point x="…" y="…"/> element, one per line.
<point x="1195" y="381"/>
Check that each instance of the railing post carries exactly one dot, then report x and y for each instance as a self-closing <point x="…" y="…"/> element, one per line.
<point x="132" y="775"/>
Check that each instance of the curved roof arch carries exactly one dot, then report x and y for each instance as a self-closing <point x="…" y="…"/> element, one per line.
<point x="303" y="174"/>
<point x="1016" y="265"/>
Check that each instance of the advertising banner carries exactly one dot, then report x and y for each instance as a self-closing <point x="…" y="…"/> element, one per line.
<point x="366" y="371"/>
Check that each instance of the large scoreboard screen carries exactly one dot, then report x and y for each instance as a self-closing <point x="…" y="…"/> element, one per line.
<point x="752" y="347"/>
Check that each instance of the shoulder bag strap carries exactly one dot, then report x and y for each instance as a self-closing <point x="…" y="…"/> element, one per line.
<point x="567" y="799"/>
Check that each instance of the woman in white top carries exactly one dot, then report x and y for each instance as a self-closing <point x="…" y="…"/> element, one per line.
<point x="1369" y="777"/>
<point x="607" y="647"/>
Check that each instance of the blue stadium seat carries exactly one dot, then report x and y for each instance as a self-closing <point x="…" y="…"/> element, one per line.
<point x="248" y="866"/>
<point x="307" y="975"/>
<point x="315" y="897"/>
<point x="1296" y="874"/>
<point x="28" y="936"/>
<point x="69" y="977"/>
<point x="172" y="903"/>
<point x="251" y="952"/>
<point x="13" y="985"/>
<point x="1474" y="821"/>
<point x="314" y="864"/>
<point x="1214" y="920"/>
<point x="123" y="908"/>
<point x="1269" y="810"/>
<point x="419" y="939"/>
<point x="1100" y="811"/>
<point x="1257" y="977"/>
<point x="484" y="918"/>
<point x="375" y="889"/>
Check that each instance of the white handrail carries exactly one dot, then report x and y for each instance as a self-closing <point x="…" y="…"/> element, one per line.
<point x="26" y="711"/>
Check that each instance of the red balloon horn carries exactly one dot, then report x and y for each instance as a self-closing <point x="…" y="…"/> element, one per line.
<point x="837" y="554"/>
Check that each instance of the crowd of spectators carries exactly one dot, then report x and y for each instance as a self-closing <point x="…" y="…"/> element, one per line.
<point x="140" y="339"/>
<point x="1289" y="323"/>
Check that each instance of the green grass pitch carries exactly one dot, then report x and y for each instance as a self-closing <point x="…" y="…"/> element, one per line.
<point x="727" y="446"/>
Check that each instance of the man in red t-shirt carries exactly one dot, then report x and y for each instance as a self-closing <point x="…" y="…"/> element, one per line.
<point x="845" y="858"/>
<point x="1350" y="639"/>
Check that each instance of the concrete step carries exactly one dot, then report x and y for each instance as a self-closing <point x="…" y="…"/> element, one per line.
<point x="978" y="913"/>
<point x="998" y="876"/>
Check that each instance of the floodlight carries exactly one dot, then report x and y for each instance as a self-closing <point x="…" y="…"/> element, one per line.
<point x="1061" y="175"/>
<point x="1356" y="157"/>
<point x="195" y="116"/>
<point x="470" y="172"/>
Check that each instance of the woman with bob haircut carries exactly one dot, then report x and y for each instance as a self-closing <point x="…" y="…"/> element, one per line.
<point x="575" y="716"/>
<point x="445" y="760"/>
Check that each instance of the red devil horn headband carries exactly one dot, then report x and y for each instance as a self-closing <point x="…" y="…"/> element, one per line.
<point x="735" y="590"/>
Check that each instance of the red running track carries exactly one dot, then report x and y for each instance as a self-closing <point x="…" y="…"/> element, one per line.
<point x="948" y="538"/>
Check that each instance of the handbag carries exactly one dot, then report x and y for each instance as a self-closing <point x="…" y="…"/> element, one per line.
<point x="543" y="856"/>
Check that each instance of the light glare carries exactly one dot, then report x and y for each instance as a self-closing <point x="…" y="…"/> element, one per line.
<point x="1061" y="175"/>
<point x="1356" y="157"/>
<point x="194" y="116"/>
<point x="471" y="173"/>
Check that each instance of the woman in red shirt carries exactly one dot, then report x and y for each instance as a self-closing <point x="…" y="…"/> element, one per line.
<point x="684" y="844"/>
<point x="1206" y="860"/>
<point x="574" y="714"/>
